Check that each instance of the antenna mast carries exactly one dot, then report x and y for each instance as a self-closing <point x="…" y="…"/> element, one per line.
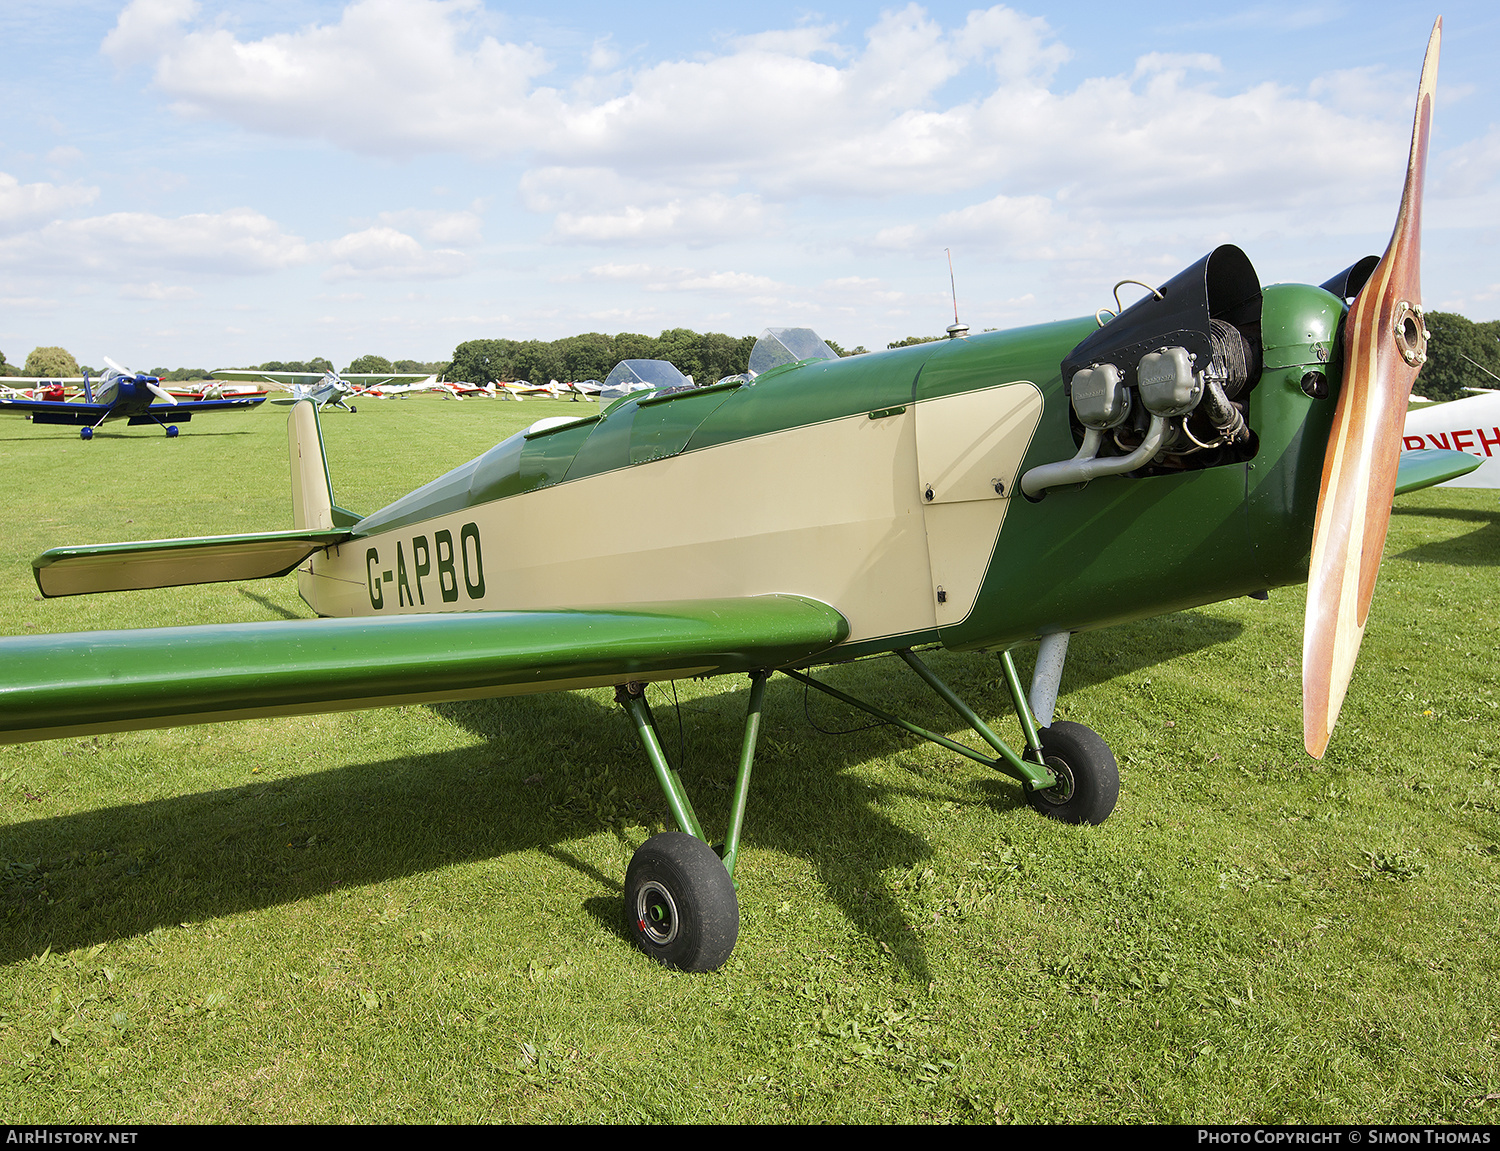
<point x="956" y="330"/>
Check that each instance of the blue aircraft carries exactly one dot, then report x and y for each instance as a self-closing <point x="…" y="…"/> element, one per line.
<point x="120" y="394"/>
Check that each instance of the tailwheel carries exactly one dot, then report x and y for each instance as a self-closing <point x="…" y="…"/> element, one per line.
<point x="680" y="905"/>
<point x="1088" y="779"/>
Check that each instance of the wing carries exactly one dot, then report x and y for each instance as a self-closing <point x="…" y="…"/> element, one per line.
<point x="371" y="379"/>
<point x="1428" y="466"/>
<point x="80" y="684"/>
<point x="256" y="376"/>
<point x="56" y="411"/>
<point x="184" y="410"/>
<point x="176" y="563"/>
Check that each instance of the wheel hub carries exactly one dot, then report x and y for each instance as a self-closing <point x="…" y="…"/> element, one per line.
<point x="656" y="913"/>
<point x="1062" y="790"/>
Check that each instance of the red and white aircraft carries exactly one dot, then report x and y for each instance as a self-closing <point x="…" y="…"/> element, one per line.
<point x="1469" y="425"/>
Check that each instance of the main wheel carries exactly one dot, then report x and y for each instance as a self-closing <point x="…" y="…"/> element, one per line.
<point x="85" y="433"/>
<point x="680" y="905"/>
<point x="171" y="431"/>
<point x="1088" y="779"/>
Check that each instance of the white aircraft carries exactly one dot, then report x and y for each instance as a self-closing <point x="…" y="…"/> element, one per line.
<point x="322" y="389"/>
<point x="1469" y="425"/>
<point x="426" y="384"/>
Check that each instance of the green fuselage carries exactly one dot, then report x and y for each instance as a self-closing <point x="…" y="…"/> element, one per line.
<point x="815" y="480"/>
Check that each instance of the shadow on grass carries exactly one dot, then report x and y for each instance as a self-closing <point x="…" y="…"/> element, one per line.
<point x="1477" y="548"/>
<point x="550" y="769"/>
<point x="270" y="605"/>
<point x="106" y="433"/>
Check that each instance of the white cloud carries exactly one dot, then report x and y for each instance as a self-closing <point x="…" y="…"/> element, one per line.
<point x="699" y="150"/>
<point x="239" y="241"/>
<point x="655" y="279"/>
<point x="450" y="228"/>
<point x="387" y="254"/>
<point x="156" y="291"/>
<point x="23" y="205"/>
<point x="693" y="220"/>
<point x="392" y="77"/>
<point x="1020" y="227"/>
<point x="146" y="28"/>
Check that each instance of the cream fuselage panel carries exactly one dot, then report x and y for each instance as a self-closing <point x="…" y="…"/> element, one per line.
<point x="969" y="448"/>
<point x="832" y="511"/>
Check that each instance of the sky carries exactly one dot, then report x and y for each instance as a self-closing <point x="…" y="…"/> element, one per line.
<point x="209" y="184"/>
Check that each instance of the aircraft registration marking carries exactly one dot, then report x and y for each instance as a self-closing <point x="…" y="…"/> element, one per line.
<point x="440" y="554"/>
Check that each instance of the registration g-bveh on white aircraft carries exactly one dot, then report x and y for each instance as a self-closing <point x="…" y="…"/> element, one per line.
<point x="1212" y="440"/>
<point x="1469" y="425"/>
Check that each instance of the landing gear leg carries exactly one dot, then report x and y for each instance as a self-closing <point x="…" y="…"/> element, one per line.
<point x="1088" y="778"/>
<point x="680" y="904"/>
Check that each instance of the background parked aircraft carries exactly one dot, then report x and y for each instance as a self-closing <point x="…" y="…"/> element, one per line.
<point x="1469" y="425"/>
<point x="322" y="388"/>
<point x="119" y="394"/>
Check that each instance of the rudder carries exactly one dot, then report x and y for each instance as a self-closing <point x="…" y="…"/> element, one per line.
<point x="312" y="493"/>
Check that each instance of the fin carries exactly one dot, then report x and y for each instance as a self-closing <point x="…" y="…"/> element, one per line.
<point x="312" y="490"/>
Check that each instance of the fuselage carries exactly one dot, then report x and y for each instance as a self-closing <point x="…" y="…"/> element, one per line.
<point x="885" y="485"/>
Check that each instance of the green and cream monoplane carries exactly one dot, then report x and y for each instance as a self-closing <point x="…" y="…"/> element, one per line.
<point x="1215" y="439"/>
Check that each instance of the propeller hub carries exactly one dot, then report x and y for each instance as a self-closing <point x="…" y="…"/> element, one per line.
<point x="1411" y="333"/>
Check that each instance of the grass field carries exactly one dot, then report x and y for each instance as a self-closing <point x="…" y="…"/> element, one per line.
<point x="412" y="914"/>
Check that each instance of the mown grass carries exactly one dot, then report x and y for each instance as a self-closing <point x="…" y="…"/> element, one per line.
<point x="412" y="914"/>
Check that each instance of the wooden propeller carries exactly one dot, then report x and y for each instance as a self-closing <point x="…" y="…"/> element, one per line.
<point x="1385" y="343"/>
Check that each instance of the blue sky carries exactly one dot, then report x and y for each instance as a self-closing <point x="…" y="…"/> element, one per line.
<point x="214" y="184"/>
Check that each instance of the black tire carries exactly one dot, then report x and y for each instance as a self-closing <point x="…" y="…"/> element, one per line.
<point x="680" y="905"/>
<point x="1088" y="778"/>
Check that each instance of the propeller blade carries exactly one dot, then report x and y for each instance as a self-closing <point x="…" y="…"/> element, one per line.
<point x="160" y="392"/>
<point x="1385" y="342"/>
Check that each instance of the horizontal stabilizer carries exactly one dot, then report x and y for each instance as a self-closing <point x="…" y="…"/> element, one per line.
<point x="1428" y="466"/>
<point x="89" y="682"/>
<point x="176" y="563"/>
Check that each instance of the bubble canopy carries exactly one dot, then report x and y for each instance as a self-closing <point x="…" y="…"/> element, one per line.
<point x="778" y="346"/>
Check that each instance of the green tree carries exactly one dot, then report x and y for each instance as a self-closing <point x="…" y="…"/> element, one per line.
<point x="633" y="346"/>
<point x="724" y="355"/>
<point x="316" y="364"/>
<point x="1461" y="354"/>
<point x="682" y="348"/>
<point x="910" y="340"/>
<point x="483" y="361"/>
<point x="537" y="361"/>
<point x="51" y="362"/>
<point x="589" y="356"/>
<point x="370" y="364"/>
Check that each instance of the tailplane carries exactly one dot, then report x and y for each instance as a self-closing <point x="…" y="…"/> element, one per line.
<point x="317" y="523"/>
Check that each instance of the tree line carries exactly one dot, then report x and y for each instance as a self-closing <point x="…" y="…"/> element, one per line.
<point x="706" y="357"/>
<point x="1461" y="354"/>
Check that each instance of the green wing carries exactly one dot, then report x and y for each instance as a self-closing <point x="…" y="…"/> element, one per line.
<point x="89" y="682"/>
<point x="176" y="563"/>
<point x="1427" y="466"/>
